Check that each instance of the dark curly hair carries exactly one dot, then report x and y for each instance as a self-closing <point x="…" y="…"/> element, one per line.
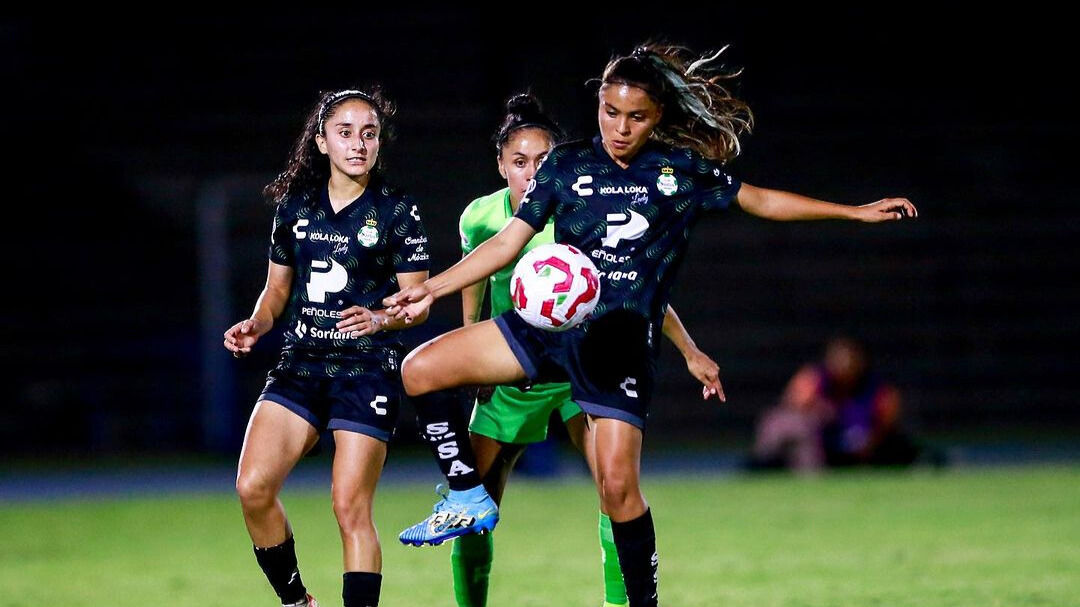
<point x="307" y="169"/>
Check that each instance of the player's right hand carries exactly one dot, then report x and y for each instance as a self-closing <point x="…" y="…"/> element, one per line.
<point x="409" y="303"/>
<point x="242" y="336"/>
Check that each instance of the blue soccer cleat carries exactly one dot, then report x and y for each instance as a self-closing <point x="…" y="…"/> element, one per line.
<point x="458" y="513"/>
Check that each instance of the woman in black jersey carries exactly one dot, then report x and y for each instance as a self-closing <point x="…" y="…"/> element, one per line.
<point x="343" y="240"/>
<point x="629" y="199"/>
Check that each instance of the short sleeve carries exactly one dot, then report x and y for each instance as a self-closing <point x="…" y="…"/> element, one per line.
<point x="718" y="187"/>
<point x="467" y="231"/>
<point x="282" y="241"/>
<point x="409" y="241"/>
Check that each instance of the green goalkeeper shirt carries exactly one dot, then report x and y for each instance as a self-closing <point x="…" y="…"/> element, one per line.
<point x="482" y="219"/>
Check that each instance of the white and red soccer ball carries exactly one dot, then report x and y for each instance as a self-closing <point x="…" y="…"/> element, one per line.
<point x="554" y="287"/>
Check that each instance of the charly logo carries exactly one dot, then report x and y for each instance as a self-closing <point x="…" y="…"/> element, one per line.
<point x="580" y="185"/>
<point x="369" y="234"/>
<point x="375" y="405"/>
<point x="666" y="182"/>
<point x="415" y="213"/>
<point x="300" y="223"/>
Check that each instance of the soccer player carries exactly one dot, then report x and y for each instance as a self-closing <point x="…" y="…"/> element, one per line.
<point x="507" y="419"/>
<point x="343" y="239"/>
<point x="629" y="198"/>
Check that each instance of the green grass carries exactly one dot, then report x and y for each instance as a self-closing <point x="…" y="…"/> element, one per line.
<point x="1008" y="537"/>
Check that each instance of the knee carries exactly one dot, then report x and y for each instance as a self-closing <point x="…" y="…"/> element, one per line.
<point x="417" y="373"/>
<point x="618" y="489"/>
<point x="255" y="492"/>
<point x="353" y="516"/>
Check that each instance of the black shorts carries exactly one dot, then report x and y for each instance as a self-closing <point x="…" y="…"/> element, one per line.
<point x="366" y="404"/>
<point x="610" y="362"/>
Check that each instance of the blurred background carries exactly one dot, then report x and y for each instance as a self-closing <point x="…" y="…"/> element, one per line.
<point x="136" y="233"/>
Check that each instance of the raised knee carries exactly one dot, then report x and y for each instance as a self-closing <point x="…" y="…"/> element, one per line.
<point x="416" y="373"/>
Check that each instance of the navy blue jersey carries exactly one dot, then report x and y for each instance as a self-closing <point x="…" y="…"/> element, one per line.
<point x="340" y="260"/>
<point x="634" y="223"/>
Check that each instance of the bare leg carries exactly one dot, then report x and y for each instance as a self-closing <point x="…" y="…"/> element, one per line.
<point x="618" y="468"/>
<point x="473" y="355"/>
<point x="358" y="464"/>
<point x="275" y="440"/>
<point x="581" y="435"/>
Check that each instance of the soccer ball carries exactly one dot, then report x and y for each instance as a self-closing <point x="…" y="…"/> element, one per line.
<point x="554" y="287"/>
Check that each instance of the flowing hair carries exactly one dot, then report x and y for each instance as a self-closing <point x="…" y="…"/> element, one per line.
<point x="700" y="112"/>
<point x="307" y="170"/>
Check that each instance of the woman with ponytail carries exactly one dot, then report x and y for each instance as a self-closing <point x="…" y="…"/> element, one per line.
<point x="506" y="419"/>
<point x="629" y="198"/>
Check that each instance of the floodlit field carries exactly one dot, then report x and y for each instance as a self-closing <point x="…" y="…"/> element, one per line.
<point x="986" y="537"/>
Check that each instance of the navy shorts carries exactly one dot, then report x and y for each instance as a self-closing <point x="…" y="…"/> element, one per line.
<point x="366" y="404"/>
<point x="610" y="362"/>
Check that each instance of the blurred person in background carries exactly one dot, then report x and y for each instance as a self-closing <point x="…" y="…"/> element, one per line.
<point x="343" y="238"/>
<point x="834" y="412"/>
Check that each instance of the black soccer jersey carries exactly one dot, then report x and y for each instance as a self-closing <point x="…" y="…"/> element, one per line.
<point x="634" y="223"/>
<point x="340" y="260"/>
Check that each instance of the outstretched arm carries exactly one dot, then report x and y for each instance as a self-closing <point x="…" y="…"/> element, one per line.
<point x="494" y="253"/>
<point x="788" y="206"/>
<point x="699" y="364"/>
<point x="240" y="337"/>
<point x="365" y="321"/>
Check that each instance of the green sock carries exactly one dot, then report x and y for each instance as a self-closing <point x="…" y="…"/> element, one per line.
<point x="614" y="591"/>
<point x="471" y="558"/>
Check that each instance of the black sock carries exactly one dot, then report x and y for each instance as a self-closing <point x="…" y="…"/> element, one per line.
<point x="635" y="542"/>
<point x="279" y="565"/>
<point x="444" y="428"/>
<point x="361" y="589"/>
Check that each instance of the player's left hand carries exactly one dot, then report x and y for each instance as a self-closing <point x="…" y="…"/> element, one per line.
<point x="886" y="209"/>
<point x="358" y="321"/>
<point x="707" y="372"/>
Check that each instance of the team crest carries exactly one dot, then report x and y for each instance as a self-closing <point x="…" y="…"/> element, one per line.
<point x="368" y="235"/>
<point x="666" y="182"/>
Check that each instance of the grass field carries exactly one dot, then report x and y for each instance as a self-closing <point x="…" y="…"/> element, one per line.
<point x="980" y="537"/>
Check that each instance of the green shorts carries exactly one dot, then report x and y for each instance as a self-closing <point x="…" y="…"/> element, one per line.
<point x="516" y="416"/>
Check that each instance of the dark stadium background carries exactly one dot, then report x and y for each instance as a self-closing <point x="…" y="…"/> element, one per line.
<point x="125" y="141"/>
